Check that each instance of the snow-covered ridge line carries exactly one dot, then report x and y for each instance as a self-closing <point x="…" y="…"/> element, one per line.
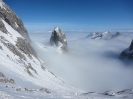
<point x="20" y="62"/>
<point x="103" y="35"/>
<point x="13" y="20"/>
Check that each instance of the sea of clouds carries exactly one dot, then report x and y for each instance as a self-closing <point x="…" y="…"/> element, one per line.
<point x="90" y="64"/>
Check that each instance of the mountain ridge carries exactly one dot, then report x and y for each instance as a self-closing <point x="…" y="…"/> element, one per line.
<point x="22" y="73"/>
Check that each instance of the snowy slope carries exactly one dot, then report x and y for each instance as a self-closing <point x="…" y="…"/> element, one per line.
<point x="23" y="74"/>
<point x="16" y="68"/>
<point x="20" y="63"/>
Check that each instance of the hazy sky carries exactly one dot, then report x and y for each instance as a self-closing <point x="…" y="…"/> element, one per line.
<point x="39" y="15"/>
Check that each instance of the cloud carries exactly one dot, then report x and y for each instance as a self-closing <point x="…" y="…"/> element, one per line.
<point x="90" y="65"/>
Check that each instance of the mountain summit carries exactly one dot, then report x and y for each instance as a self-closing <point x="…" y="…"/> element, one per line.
<point x="20" y="67"/>
<point x="103" y="35"/>
<point x="59" y="39"/>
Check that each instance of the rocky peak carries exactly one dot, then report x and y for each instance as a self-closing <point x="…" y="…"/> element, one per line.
<point x="57" y="29"/>
<point x="103" y="35"/>
<point x="106" y="32"/>
<point x="59" y="39"/>
<point x="128" y="53"/>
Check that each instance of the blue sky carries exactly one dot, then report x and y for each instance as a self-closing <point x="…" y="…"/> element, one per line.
<point x="41" y="15"/>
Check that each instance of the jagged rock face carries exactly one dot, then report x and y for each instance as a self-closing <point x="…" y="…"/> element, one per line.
<point x="12" y="19"/>
<point x="14" y="37"/>
<point x="25" y="47"/>
<point x="15" y="22"/>
<point x="20" y="63"/>
<point x="105" y="35"/>
<point x="128" y="53"/>
<point x="2" y="27"/>
<point x="59" y="39"/>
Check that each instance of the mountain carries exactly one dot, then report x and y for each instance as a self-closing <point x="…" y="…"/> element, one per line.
<point x="23" y="75"/>
<point x="103" y="35"/>
<point x="21" y="70"/>
<point x="59" y="39"/>
<point x="128" y="53"/>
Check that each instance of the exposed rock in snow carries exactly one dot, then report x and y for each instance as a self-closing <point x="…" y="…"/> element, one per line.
<point x="14" y="36"/>
<point x="27" y="76"/>
<point x="128" y="53"/>
<point x="109" y="93"/>
<point x="59" y="39"/>
<point x="10" y="17"/>
<point x="20" y="62"/>
<point x="25" y="47"/>
<point x="2" y="27"/>
<point x="1" y="74"/>
<point x="127" y="93"/>
<point x="4" y="79"/>
<point x="105" y="35"/>
<point x="11" y="47"/>
<point x="46" y="90"/>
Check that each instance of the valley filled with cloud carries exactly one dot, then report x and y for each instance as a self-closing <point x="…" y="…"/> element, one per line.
<point x="89" y="64"/>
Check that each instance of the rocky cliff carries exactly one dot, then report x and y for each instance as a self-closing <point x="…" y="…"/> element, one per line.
<point x="9" y="17"/>
<point x="59" y="39"/>
<point x="12" y="19"/>
<point x="128" y="53"/>
<point x="20" y="67"/>
<point x="14" y="36"/>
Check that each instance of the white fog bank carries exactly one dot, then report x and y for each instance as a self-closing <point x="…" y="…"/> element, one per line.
<point x="90" y="65"/>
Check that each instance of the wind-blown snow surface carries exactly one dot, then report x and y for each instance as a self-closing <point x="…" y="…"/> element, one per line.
<point x="90" y="65"/>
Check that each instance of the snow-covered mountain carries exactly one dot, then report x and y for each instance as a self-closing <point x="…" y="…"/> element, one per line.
<point x="103" y="35"/>
<point x="22" y="69"/>
<point x="59" y="39"/>
<point x="23" y="75"/>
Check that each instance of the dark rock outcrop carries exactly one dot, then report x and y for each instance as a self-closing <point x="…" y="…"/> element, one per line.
<point x="46" y="90"/>
<point x="12" y="48"/>
<point x="116" y="34"/>
<point x="128" y="53"/>
<point x="12" y="19"/>
<point x="25" y="47"/>
<point x="109" y="93"/>
<point x="15" y="22"/>
<point x="15" y="38"/>
<point x="59" y="39"/>
<point x="2" y="27"/>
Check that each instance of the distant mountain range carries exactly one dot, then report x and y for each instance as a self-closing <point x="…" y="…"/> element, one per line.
<point x="103" y="35"/>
